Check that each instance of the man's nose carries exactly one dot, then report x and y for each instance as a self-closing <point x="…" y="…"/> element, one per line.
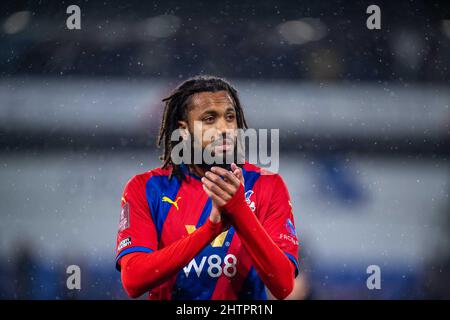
<point x="222" y="128"/>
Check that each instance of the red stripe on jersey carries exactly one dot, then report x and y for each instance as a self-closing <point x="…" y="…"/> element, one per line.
<point x="192" y="200"/>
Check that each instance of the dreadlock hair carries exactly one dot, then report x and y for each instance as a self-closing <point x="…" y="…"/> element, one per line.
<point x="176" y="109"/>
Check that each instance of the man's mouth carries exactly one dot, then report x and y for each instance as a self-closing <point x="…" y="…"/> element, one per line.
<point x="226" y="146"/>
<point x="223" y="147"/>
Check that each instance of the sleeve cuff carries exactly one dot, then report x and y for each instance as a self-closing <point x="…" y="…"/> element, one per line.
<point x="294" y="261"/>
<point x="131" y="250"/>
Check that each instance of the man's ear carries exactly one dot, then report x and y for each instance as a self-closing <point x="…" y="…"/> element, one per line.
<point x="182" y="124"/>
<point x="184" y="128"/>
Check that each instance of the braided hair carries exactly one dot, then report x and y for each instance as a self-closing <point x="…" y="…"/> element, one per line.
<point x="176" y="109"/>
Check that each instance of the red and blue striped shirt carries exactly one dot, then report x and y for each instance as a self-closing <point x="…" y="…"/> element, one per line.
<point x="157" y="211"/>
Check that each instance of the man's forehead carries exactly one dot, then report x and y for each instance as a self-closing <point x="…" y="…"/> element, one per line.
<point x="203" y="100"/>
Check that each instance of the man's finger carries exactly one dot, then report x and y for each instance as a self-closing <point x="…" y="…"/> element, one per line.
<point x="225" y="185"/>
<point x="219" y="201"/>
<point x="237" y="172"/>
<point x="226" y="174"/>
<point x="216" y="189"/>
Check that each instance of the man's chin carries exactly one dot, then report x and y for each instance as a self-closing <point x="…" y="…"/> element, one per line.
<point x="224" y="157"/>
<point x="207" y="167"/>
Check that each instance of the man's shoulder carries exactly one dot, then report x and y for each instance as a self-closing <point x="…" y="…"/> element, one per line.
<point x="141" y="179"/>
<point x="263" y="173"/>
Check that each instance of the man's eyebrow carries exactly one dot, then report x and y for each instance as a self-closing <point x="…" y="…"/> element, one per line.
<point x="214" y="112"/>
<point x="208" y="111"/>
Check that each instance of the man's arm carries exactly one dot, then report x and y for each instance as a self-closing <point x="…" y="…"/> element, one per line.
<point x="272" y="265"/>
<point x="140" y="272"/>
<point x="142" y="265"/>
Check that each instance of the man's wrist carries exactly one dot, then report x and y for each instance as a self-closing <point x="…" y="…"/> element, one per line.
<point x="235" y="202"/>
<point x="215" y="228"/>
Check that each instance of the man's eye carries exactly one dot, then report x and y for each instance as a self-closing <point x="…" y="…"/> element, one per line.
<point x="208" y="119"/>
<point x="231" y="117"/>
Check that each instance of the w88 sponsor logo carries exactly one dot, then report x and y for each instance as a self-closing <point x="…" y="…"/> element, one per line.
<point x="214" y="267"/>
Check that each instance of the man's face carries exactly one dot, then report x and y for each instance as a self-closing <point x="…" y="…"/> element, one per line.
<point x="214" y="112"/>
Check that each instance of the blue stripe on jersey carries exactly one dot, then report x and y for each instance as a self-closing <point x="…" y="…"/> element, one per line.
<point x="194" y="287"/>
<point x="156" y="188"/>
<point x="130" y="250"/>
<point x="291" y="257"/>
<point x="250" y="178"/>
<point x="205" y="213"/>
<point x="253" y="287"/>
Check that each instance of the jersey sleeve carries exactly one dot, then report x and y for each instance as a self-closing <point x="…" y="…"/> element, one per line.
<point x="279" y="221"/>
<point x="137" y="231"/>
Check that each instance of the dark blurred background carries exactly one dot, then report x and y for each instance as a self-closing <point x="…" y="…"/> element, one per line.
<point x="363" y="118"/>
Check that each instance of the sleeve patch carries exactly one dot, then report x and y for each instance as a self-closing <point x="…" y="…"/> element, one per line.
<point x="290" y="227"/>
<point x="124" y="222"/>
<point x="124" y="243"/>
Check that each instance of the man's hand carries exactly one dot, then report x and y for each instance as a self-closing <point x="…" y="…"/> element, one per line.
<point x="215" y="216"/>
<point x="222" y="190"/>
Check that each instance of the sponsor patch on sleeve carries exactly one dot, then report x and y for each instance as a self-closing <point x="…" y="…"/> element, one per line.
<point x="124" y="222"/>
<point x="124" y="243"/>
<point x="290" y="227"/>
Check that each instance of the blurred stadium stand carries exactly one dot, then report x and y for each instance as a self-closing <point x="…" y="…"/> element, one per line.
<point x="363" y="117"/>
